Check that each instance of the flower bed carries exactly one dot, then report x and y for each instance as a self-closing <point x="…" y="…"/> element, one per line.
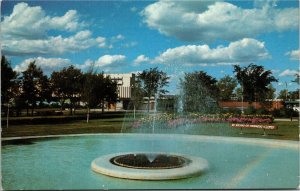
<point x="165" y="120"/>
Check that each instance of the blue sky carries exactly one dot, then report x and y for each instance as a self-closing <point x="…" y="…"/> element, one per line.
<point x="176" y="36"/>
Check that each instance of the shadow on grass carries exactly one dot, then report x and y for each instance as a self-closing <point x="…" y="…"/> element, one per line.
<point x="29" y="141"/>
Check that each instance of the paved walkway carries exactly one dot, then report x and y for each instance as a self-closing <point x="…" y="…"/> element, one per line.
<point x="286" y="119"/>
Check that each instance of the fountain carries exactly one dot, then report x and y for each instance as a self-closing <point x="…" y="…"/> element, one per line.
<point x="167" y="147"/>
<point x="64" y="162"/>
<point x="149" y="165"/>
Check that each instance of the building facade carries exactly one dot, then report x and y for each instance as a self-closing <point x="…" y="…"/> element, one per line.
<point x="125" y="83"/>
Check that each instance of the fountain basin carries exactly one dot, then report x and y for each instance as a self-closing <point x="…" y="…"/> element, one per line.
<point x="183" y="167"/>
<point x="64" y="162"/>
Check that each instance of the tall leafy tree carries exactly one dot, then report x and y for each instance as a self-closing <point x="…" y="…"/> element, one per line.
<point x="136" y="94"/>
<point x="270" y="94"/>
<point x="152" y="82"/>
<point x="92" y="90"/>
<point x="8" y="81"/>
<point x="110" y="91"/>
<point x="34" y="82"/>
<point x="226" y="86"/>
<point x="255" y="81"/>
<point x="200" y="92"/>
<point x="67" y="84"/>
<point x="9" y="87"/>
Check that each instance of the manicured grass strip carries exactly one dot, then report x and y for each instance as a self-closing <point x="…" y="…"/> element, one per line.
<point x="287" y="130"/>
<point x="75" y="127"/>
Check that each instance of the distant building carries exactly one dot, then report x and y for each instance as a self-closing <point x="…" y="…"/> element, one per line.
<point x="125" y="83"/>
<point x="275" y="104"/>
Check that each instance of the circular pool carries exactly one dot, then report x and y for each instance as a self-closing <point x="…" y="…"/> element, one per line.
<point x="64" y="162"/>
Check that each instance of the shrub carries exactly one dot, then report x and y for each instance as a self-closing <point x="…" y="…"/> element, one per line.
<point x="250" y="111"/>
<point x="262" y="111"/>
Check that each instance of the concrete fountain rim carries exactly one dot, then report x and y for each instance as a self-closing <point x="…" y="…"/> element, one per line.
<point x="196" y="166"/>
<point x="290" y="144"/>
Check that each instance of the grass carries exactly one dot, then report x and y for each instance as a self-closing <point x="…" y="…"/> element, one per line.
<point x="287" y="130"/>
<point x="74" y="127"/>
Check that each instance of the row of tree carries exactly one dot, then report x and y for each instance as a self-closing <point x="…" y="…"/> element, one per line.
<point x="199" y="91"/>
<point x="25" y="90"/>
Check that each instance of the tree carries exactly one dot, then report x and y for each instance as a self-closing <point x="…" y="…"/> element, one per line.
<point x="200" y="92"/>
<point x="67" y="84"/>
<point x="45" y="89"/>
<point x="97" y="89"/>
<point x="283" y="94"/>
<point x="254" y="81"/>
<point x="294" y="95"/>
<point x="8" y="81"/>
<point x="33" y="85"/>
<point x="136" y="94"/>
<point x="286" y="95"/>
<point x="9" y="86"/>
<point x="270" y="94"/>
<point x="110" y="91"/>
<point x="226" y="85"/>
<point x="152" y="82"/>
<point x="92" y="90"/>
<point x="239" y="94"/>
<point x="297" y="80"/>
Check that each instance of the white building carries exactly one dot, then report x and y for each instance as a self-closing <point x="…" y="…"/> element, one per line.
<point x="125" y="83"/>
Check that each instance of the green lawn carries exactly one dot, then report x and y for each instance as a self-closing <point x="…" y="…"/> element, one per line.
<point x="287" y="130"/>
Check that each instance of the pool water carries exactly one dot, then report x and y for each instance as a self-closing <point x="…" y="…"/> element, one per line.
<point x="65" y="162"/>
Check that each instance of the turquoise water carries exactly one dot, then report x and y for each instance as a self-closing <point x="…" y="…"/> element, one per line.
<point x="64" y="162"/>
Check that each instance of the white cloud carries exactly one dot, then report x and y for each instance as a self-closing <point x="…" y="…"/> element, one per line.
<point x="129" y="44"/>
<point x="288" y="72"/>
<point x="243" y="51"/>
<point x="48" y="65"/>
<point x="32" y="22"/>
<point x="52" y="45"/>
<point x="208" y="20"/>
<point x="119" y="37"/>
<point x="116" y="39"/>
<point x="140" y="59"/>
<point x="109" y="59"/>
<point x="133" y="9"/>
<point x="294" y="54"/>
<point x="105" y="63"/>
<point x="25" y="32"/>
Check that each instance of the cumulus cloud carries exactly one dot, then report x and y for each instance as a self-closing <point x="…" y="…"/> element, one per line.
<point x="289" y="72"/>
<point x="25" y="32"/>
<point x="48" y="65"/>
<point x="245" y="50"/>
<point x="109" y="60"/>
<point x="294" y="54"/>
<point x="117" y="38"/>
<point x="140" y="59"/>
<point x="106" y="62"/>
<point x="209" y="20"/>
<point x="51" y="46"/>
<point x="32" y="22"/>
